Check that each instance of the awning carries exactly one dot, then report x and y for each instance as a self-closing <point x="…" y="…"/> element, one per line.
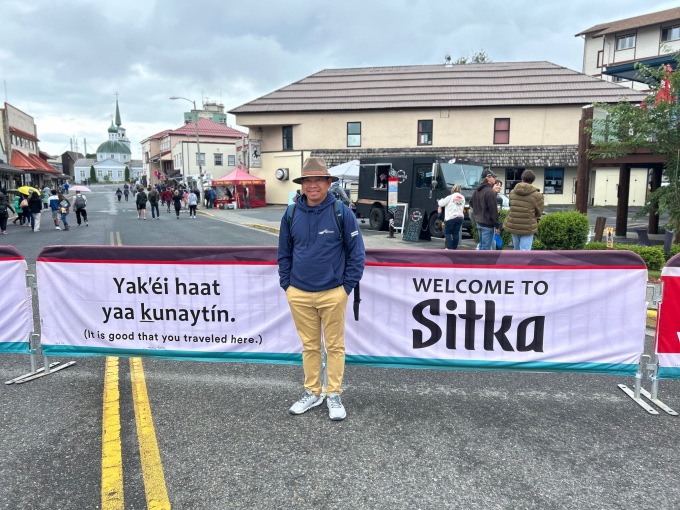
<point x="31" y="163"/>
<point x="8" y="169"/>
<point x="628" y="70"/>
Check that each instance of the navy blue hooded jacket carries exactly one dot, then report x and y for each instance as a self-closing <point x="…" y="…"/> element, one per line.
<point x="317" y="259"/>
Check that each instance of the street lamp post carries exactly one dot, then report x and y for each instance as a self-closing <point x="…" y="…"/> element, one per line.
<point x="198" y="142"/>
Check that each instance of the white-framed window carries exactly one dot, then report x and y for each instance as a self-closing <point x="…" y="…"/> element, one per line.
<point x="354" y="134"/>
<point x="218" y="159"/>
<point x="99" y="172"/>
<point x="200" y="159"/>
<point x="670" y="33"/>
<point x="231" y="160"/>
<point x="553" y="183"/>
<point x="424" y="132"/>
<point x="625" y="42"/>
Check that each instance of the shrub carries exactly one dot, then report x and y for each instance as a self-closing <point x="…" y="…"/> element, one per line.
<point x="564" y="230"/>
<point x="505" y="236"/>
<point x="652" y="255"/>
<point x="537" y="244"/>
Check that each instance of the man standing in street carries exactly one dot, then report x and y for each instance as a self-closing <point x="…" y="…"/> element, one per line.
<point x="154" y="197"/>
<point x="321" y="260"/>
<point x="141" y="200"/>
<point x="485" y="210"/>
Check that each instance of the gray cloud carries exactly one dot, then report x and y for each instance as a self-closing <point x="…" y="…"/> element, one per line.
<point x="63" y="60"/>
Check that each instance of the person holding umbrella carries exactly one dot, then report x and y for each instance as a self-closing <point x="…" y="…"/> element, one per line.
<point x="80" y="203"/>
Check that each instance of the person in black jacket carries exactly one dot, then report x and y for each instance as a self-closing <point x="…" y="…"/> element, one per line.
<point x="485" y="210"/>
<point x="35" y="208"/>
<point x="4" y="214"/>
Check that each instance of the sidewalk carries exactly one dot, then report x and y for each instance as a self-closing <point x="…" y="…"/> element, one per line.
<point x="269" y="219"/>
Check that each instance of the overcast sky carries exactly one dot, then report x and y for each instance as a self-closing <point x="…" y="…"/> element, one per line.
<point x="62" y="61"/>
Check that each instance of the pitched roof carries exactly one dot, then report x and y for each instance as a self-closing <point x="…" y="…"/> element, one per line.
<point x="654" y="18"/>
<point x="157" y="136"/>
<point x="84" y="162"/>
<point x="238" y="175"/>
<point x="440" y="86"/>
<point x="207" y="127"/>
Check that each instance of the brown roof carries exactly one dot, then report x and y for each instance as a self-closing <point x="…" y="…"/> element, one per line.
<point x="207" y="127"/>
<point x="655" y="18"/>
<point x="440" y="86"/>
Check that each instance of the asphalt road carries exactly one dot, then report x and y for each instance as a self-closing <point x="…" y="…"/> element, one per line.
<point x="421" y="439"/>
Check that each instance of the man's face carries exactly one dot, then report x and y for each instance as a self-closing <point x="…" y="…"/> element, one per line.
<point x="316" y="189"/>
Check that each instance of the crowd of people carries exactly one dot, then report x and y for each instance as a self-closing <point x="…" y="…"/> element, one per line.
<point x="178" y="198"/>
<point x="27" y="208"/>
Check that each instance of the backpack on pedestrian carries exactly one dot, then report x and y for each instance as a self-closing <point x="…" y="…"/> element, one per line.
<point x="79" y="202"/>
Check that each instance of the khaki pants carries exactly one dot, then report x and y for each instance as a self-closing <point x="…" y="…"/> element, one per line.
<point x="313" y="312"/>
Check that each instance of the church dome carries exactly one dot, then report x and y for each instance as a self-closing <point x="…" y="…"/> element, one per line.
<point x="113" y="128"/>
<point x="113" y="147"/>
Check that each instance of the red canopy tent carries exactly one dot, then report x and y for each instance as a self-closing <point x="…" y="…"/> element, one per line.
<point x="234" y="183"/>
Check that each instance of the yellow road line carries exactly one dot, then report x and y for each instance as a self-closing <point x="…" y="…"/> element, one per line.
<point x="112" y="457"/>
<point x="152" y="468"/>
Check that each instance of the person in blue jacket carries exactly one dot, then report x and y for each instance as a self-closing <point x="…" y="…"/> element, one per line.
<point x="319" y="266"/>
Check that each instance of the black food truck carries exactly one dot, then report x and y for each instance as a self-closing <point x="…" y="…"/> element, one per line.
<point x="422" y="181"/>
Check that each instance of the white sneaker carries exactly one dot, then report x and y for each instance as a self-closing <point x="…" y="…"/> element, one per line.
<point x="57" y="228"/>
<point x="307" y="401"/>
<point x="336" y="411"/>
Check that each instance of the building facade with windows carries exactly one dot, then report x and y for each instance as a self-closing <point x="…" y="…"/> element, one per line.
<point x="510" y="116"/>
<point x="173" y="153"/>
<point x="611" y="50"/>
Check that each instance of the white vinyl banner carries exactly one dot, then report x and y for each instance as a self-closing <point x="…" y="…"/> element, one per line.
<point x="16" y="320"/>
<point x="425" y="311"/>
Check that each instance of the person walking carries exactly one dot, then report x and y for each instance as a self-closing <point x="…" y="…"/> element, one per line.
<point x="485" y="210"/>
<point x="526" y="206"/>
<point x="141" y="200"/>
<point x="45" y="197"/>
<point x="119" y="194"/>
<point x="64" y="207"/>
<point x="177" y="201"/>
<point x="319" y="266"/>
<point x="167" y="197"/>
<point x="26" y="216"/>
<point x="193" y="204"/>
<point x="454" y="210"/>
<point x="54" y="207"/>
<point x="80" y="205"/>
<point x="154" y="197"/>
<point x="4" y="214"/>
<point x="126" y="192"/>
<point x="35" y="208"/>
<point x="18" y="211"/>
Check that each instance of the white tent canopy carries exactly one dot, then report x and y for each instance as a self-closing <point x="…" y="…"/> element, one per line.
<point x="347" y="172"/>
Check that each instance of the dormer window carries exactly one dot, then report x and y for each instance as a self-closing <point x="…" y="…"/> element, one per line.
<point x="625" y="42"/>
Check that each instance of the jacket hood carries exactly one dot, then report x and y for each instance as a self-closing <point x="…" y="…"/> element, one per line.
<point x="524" y="189"/>
<point x="483" y="185"/>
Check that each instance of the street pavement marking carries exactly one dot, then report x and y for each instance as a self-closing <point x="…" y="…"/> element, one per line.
<point x="152" y="468"/>
<point x="112" y="457"/>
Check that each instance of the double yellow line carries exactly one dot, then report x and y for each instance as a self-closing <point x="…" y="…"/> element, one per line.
<point x="112" y="451"/>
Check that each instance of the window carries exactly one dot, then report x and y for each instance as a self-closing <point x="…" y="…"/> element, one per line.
<point x="553" y="181"/>
<point x="231" y="160"/>
<point x="617" y="79"/>
<point x="218" y="159"/>
<point x="512" y="177"/>
<point x="670" y="33"/>
<point x="111" y="156"/>
<point x="625" y="42"/>
<point x="287" y="137"/>
<point x="424" y="132"/>
<point x="501" y="131"/>
<point x="200" y="159"/>
<point x="354" y="134"/>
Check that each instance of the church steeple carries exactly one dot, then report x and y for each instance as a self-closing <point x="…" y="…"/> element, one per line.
<point x="118" y="122"/>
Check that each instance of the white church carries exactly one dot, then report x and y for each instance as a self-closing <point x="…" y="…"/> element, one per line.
<point x="112" y="156"/>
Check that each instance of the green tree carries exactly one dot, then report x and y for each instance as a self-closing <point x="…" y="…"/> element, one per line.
<point x="655" y="126"/>
<point x="93" y="174"/>
<point x="127" y="174"/>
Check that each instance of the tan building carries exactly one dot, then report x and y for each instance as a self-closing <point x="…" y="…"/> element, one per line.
<point x="510" y="116"/>
<point x="611" y="50"/>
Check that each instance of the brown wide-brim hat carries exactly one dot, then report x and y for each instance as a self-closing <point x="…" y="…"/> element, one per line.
<point x="315" y="167"/>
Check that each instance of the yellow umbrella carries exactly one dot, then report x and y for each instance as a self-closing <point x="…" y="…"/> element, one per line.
<point x="27" y="190"/>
